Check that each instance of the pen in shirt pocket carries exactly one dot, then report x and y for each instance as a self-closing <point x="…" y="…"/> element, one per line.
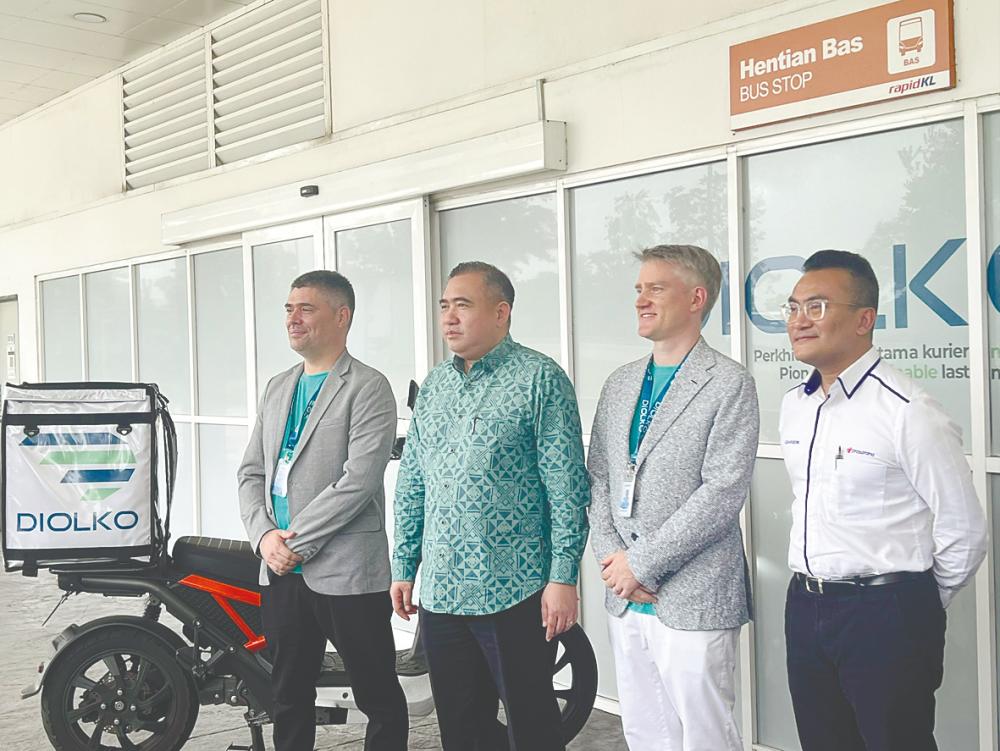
<point x="837" y="458"/>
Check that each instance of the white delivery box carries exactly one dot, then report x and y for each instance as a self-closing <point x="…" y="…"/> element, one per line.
<point x="78" y="476"/>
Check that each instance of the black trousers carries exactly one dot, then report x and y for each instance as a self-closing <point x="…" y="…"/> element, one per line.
<point x="476" y="661"/>
<point x="863" y="666"/>
<point x="297" y="623"/>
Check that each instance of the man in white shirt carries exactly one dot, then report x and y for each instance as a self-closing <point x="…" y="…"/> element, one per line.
<point x="886" y="526"/>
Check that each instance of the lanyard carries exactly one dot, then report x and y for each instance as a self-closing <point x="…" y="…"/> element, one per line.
<point x="648" y="407"/>
<point x="293" y="437"/>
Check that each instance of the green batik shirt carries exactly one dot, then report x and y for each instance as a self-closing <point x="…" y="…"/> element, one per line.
<point x="493" y="491"/>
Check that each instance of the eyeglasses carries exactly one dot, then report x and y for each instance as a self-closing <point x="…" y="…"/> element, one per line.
<point x="814" y="309"/>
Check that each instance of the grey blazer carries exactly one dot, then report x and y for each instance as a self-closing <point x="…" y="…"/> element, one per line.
<point x="692" y="477"/>
<point x="335" y="484"/>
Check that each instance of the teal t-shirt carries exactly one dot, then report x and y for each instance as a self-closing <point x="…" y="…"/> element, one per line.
<point x="306" y="389"/>
<point x="662" y="375"/>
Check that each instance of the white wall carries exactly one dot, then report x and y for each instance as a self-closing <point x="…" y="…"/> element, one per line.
<point x="467" y="68"/>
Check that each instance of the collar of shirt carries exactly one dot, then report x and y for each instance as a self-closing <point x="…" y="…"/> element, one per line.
<point x="488" y="362"/>
<point x="850" y="379"/>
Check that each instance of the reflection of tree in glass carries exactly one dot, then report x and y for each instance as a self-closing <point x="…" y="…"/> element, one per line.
<point x="698" y="213"/>
<point x="377" y="261"/>
<point x="932" y="208"/>
<point x="518" y="236"/>
<point x="633" y="224"/>
<point x="695" y="214"/>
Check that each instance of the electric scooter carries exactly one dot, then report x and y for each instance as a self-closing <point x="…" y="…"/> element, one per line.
<point x="131" y="683"/>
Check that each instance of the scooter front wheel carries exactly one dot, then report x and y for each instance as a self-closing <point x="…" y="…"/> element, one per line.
<point x="118" y="689"/>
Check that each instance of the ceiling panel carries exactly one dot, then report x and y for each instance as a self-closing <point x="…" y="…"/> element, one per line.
<point x="202" y="12"/>
<point x="160" y="31"/>
<point x="54" y="59"/>
<point x="150" y="7"/>
<point x="13" y="108"/>
<point x="17" y="73"/>
<point x="24" y="92"/>
<point x="61" y="12"/>
<point x="75" y="39"/>
<point x="45" y="52"/>
<point x="63" y="80"/>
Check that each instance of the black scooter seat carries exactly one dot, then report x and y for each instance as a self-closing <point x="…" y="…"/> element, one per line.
<point x="230" y="560"/>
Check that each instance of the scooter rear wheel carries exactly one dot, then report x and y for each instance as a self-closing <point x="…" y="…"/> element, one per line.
<point x="576" y="700"/>
<point x="122" y="686"/>
<point x="576" y="689"/>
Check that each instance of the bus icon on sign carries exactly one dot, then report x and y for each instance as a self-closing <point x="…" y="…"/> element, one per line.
<point x="911" y="35"/>
<point x="910" y="42"/>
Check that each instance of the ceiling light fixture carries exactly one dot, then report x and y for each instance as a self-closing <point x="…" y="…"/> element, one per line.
<point x="89" y="18"/>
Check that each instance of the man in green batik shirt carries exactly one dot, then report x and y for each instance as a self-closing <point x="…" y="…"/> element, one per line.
<point x="491" y="499"/>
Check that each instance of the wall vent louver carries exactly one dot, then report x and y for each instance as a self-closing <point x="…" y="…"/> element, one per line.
<point x="266" y="87"/>
<point x="165" y="109"/>
<point x="268" y="80"/>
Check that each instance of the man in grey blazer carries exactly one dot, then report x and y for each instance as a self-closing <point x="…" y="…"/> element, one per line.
<point x="313" y="504"/>
<point x="671" y="454"/>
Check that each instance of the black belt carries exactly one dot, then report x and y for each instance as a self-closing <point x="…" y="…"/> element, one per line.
<point x="819" y="586"/>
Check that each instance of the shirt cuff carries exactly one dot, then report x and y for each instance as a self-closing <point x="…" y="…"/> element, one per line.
<point x="305" y="550"/>
<point x="946" y="594"/>
<point x="403" y="571"/>
<point x="650" y="580"/>
<point x="564" y="571"/>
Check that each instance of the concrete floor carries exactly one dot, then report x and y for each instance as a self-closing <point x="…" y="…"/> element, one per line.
<point x="24" y="604"/>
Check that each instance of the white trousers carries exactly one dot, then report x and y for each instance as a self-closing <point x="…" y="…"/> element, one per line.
<point x="676" y="689"/>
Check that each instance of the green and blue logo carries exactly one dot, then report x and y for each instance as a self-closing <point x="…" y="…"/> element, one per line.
<point x="99" y="463"/>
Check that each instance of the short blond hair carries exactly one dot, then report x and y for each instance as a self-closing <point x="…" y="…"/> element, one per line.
<point x="697" y="261"/>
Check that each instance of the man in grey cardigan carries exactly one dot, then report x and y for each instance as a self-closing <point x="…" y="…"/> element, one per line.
<point x="671" y="454"/>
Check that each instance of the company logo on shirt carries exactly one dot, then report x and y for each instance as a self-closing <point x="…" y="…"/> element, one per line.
<point x="791" y="442"/>
<point x="860" y="451"/>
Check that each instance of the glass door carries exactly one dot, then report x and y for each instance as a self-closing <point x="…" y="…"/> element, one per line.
<point x="383" y="252"/>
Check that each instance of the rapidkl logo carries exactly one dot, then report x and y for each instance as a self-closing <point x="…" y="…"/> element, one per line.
<point x="905" y="87"/>
<point x="860" y="451"/>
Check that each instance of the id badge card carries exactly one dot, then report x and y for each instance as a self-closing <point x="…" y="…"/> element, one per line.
<point x="626" y="495"/>
<point x="279" y="486"/>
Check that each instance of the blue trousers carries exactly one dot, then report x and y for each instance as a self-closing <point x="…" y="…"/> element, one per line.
<point x="863" y="665"/>
<point x="476" y="660"/>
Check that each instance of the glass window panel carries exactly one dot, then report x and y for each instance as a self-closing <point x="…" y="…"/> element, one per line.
<point x="275" y="266"/>
<point x="378" y="261"/>
<point x="61" y="345"/>
<point x="991" y="178"/>
<point x="220" y="451"/>
<point x="518" y="236"/>
<point x="162" y="320"/>
<point x="957" y="723"/>
<point x="898" y="199"/>
<point x="182" y="519"/>
<point x="609" y="222"/>
<point x="994" y="481"/>
<point x="109" y="326"/>
<point x="220" y="334"/>
<point x="771" y="519"/>
<point x="594" y="619"/>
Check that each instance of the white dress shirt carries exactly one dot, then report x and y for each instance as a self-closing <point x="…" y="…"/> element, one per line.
<point x="880" y="481"/>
